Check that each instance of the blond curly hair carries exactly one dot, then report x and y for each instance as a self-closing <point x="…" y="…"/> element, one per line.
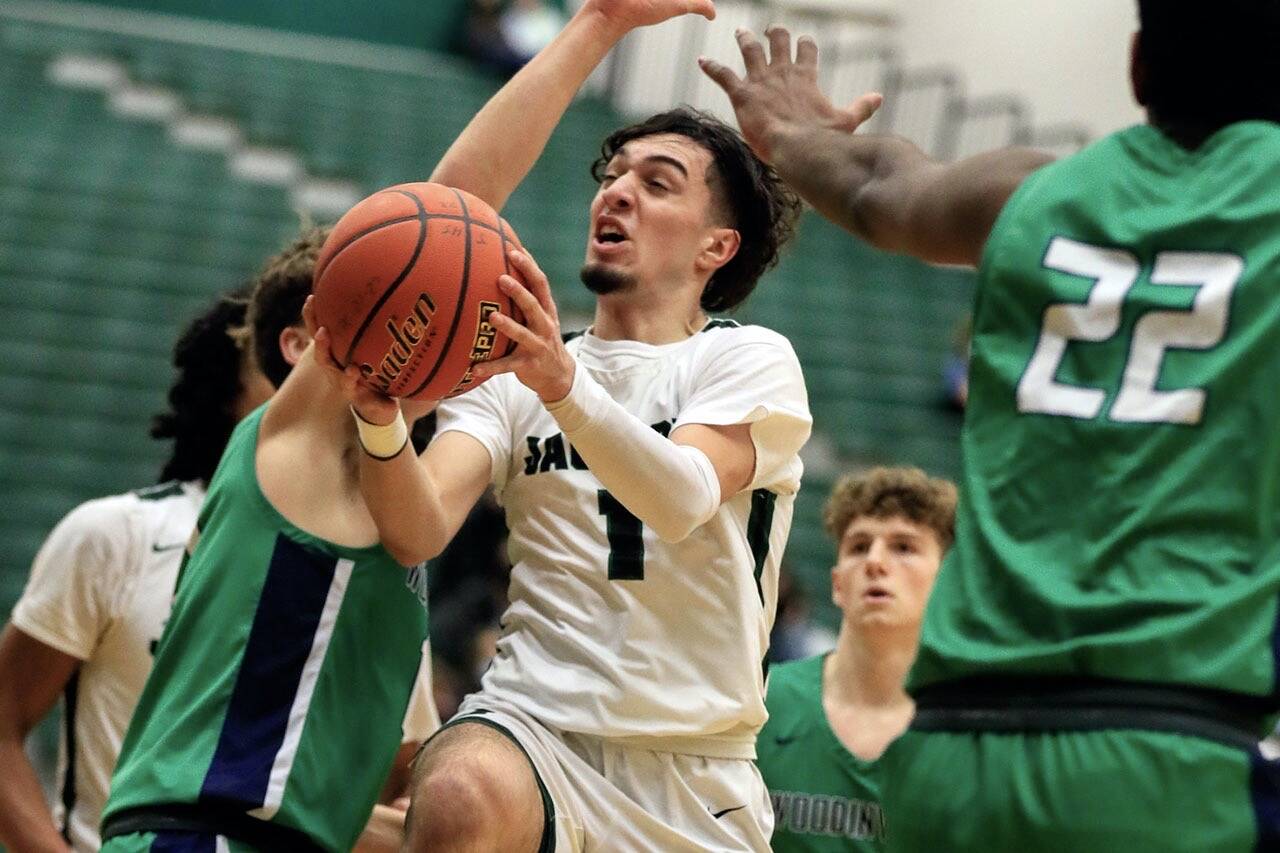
<point x="888" y="492"/>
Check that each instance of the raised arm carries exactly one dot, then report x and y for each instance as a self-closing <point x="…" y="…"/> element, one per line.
<point x="883" y="189"/>
<point x="500" y="145"/>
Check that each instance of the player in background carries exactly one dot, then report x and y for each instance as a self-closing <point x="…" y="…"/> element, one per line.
<point x="831" y="716"/>
<point x="647" y="468"/>
<point x="1099" y="657"/>
<point x="206" y="740"/>
<point x="100" y="590"/>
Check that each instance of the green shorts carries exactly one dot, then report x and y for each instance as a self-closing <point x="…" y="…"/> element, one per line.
<point x="1118" y="789"/>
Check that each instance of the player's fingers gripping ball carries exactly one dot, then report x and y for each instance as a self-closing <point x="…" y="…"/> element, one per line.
<point x="405" y="285"/>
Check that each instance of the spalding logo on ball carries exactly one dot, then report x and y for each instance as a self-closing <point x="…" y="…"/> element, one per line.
<point x="405" y="285"/>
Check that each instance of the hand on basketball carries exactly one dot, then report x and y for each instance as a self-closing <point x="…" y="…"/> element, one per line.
<point x="626" y="15"/>
<point x="779" y="96"/>
<point x="373" y="406"/>
<point x="540" y="360"/>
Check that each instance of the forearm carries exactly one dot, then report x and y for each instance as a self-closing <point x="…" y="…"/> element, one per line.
<point x="671" y="488"/>
<point x="849" y="177"/>
<point x="500" y="145"/>
<point x="405" y="506"/>
<point x="25" y="821"/>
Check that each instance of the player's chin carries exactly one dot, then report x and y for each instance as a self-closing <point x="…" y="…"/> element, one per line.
<point x="603" y="278"/>
<point x="881" y="617"/>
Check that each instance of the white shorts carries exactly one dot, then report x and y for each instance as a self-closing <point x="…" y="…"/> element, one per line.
<point x="606" y="797"/>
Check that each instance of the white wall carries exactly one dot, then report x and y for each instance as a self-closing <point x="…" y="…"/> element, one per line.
<point x="1067" y="58"/>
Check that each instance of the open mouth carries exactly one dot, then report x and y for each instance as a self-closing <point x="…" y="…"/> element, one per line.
<point x="609" y="234"/>
<point x="877" y="595"/>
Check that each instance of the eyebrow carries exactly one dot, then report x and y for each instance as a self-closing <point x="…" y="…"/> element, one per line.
<point x="657" y="158"/>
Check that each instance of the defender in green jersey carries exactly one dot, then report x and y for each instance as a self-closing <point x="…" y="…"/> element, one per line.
<point x="831" y="716"/>
<point x="274" y="709"/>
<point x="1100" y="656"/>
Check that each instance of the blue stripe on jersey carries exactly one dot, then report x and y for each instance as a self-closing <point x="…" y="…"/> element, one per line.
<point x="1264" y="789"/>
<point x="184" y="842"/>
<point x="280" y="640"/>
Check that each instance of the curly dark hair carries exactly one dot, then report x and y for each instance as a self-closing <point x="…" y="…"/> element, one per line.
<point x="279" y="290"/>
<point x="754" y="199"/>
<point x="201" y="412"/>
<point x="1207" y="65"/>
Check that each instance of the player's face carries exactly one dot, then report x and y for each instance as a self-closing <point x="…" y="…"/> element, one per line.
<point x="885" y="570"/>
<point x="652" y="217"/>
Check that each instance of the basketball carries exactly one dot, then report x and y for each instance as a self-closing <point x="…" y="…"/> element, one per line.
<point x="405" y="284"/>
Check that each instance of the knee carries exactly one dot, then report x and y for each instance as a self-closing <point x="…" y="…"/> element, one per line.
<point x="454" y="807"/>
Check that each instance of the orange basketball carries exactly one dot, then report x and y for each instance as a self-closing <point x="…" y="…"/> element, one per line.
<point x="405" y="285"/>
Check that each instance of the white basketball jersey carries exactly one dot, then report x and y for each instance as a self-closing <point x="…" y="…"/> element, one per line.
<point x="101" y="589"/>
<point x="611" y="631"/>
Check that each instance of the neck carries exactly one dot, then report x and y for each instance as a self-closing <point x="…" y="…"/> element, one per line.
<point x="868" y="667"/>
<point x="646" y="318"/>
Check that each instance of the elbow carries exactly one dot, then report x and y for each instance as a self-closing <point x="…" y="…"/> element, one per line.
<point x="411" y="553"/>
<point x="676" y="528"/>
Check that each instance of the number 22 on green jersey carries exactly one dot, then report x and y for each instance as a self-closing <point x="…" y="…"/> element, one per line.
<point x="1114" y="273"/>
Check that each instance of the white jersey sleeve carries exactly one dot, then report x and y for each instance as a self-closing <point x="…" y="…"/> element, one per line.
<point x="484" y="414"/>
<point x="76" y="577"/>
<point x="752" y="376"/>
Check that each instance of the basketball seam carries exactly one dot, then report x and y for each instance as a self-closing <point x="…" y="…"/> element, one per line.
<point x="365" y="233"/>
<point x="395" y="285"/>
<point x="400" y="220"/>
<point x="462" y="295"/>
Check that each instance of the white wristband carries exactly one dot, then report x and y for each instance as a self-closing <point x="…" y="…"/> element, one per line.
<point x="382" y="441"/>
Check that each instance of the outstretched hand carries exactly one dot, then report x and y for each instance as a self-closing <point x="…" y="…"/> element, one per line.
<point x="540" y="360"/>
<point x="628" y="14"/>
<point x="779" y="96"/>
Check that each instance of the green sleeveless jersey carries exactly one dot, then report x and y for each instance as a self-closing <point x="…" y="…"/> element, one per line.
<point x="825" y="798"/>
<point x="283" y="674"/>
<point x="1119" y="512"/>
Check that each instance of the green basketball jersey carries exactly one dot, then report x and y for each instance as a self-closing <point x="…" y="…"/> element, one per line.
<point x="825" y="798"/>
<point x="282" y="677"/>
<point x="1119" y="513"/>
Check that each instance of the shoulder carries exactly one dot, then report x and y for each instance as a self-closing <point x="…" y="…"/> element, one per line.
<point x="101" y="518"/>
<point x="722" y="336"/>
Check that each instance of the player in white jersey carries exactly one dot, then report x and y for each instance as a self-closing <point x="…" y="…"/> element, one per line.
<point x="102" y="584"/>
<point x="99" y="593"/>
<point x="647" y="469"/>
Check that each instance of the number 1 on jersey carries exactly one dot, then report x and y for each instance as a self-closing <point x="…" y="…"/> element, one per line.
<point x="1114" y="272"/>
<point x="626" y="539"/>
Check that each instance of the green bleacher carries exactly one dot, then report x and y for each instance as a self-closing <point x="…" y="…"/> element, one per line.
<point x="112" y="236"/>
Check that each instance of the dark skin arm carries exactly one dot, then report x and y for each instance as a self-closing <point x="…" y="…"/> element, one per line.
<point x="883" y="189"/>
<point x="32" y="677"/>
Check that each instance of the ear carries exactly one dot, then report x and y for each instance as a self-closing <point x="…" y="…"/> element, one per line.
<point x="718" y="248"/>
<point x="293" y="341"/>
